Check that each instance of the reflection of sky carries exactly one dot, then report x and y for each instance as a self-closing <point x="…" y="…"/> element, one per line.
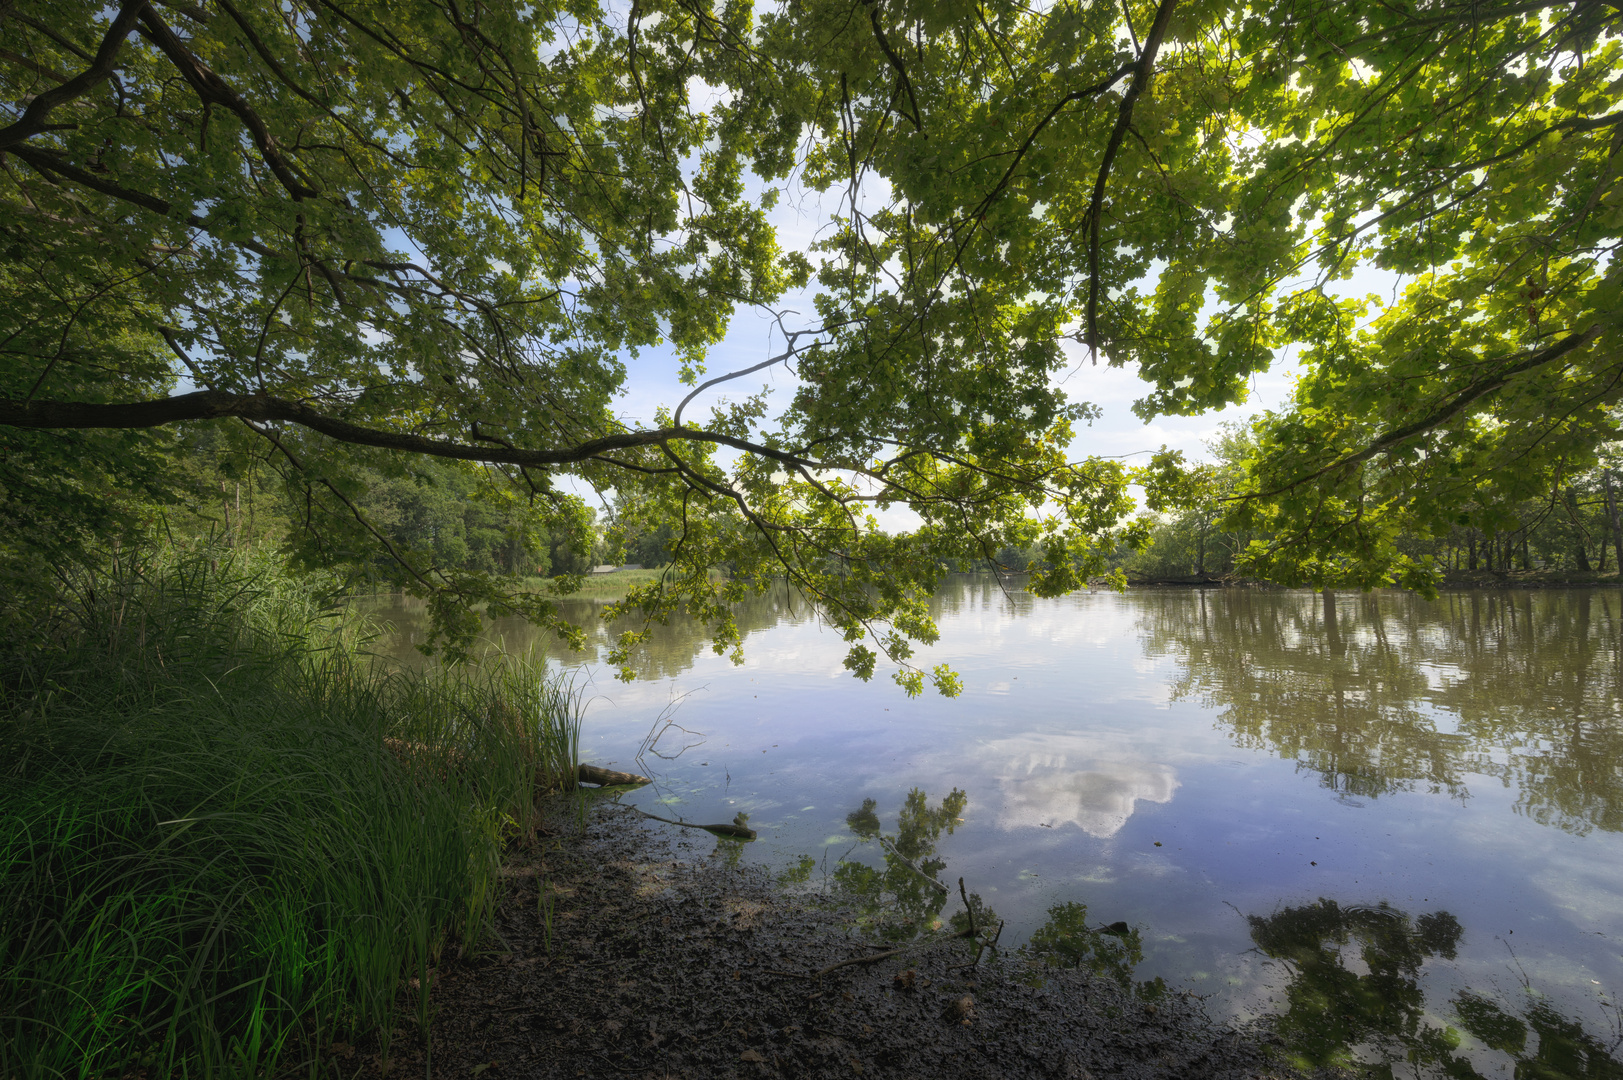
<point x="1078" y="757"/>
<point x="1054" y="780"/>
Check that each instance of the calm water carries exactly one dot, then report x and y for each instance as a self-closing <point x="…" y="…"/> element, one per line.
<point x="1395" y="825"/>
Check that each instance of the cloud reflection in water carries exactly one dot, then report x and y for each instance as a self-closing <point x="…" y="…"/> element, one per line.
<point x="1071" y="780"/>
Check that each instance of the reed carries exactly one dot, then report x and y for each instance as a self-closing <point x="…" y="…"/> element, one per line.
<point x="228" y="835"/>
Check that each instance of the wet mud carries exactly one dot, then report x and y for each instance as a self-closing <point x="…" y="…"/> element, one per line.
<point x="637" y="950"/>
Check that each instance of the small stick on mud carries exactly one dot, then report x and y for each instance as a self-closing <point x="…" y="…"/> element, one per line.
<point x="736" y="832"/>
<point x="874" y="959"/>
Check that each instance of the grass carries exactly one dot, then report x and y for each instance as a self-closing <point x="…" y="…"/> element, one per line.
<point x="227" y="836"/>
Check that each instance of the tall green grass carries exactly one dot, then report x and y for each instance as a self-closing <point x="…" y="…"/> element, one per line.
<point x="227" y="836"/>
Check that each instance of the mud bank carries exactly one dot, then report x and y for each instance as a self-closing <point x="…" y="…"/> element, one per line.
<point x="633" y="951"/>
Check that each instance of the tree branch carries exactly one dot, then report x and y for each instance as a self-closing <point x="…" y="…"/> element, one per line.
<point x="1142" y="74"/>
<point x="32" y="121"/>
<point x="214" y="90"/>
<point x="218" y="404"/>
<point x="895" y="62"/>
<point x="789" y="354"/>
<point x="1442" y="415"/>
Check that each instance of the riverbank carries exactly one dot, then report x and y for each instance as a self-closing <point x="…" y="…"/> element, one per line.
<point x="227" y="835"/>
<point x="629" y="950"/>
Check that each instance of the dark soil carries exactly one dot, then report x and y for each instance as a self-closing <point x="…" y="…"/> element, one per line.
<point x="666" y="961"/>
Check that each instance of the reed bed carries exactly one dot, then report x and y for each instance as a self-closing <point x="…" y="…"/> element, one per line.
<point x="229" y="836"/>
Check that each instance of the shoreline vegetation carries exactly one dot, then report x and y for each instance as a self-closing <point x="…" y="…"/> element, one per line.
<point x="616" y="584"/>
<point x="227" y="835"/>
<point x="238" y="843"/>
<point x="235" y="841"/>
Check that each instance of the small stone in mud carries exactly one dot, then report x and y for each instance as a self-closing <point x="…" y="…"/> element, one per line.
<point x="960" y="1010"/>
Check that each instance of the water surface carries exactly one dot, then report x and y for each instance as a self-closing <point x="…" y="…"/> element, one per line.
<point x="1394" y="825"/>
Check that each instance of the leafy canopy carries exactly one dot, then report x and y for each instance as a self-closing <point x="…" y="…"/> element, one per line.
<point x="358" y="232"/>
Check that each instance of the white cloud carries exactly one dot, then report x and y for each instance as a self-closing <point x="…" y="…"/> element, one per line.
<point x="1073" y="780"/>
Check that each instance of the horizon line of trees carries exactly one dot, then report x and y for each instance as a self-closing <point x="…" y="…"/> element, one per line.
<point x="1574" y="527"/>
<point x="439" y="508"/>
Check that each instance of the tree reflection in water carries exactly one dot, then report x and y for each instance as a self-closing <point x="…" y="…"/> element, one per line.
<point x="1066" y="940"/>
<point x="1375" y="692"/>
<point x="1531" y="683"/>
<point x="1334" y="1016"/>
<point x="1353" y="1001"/>
<point x="904" y="897"/>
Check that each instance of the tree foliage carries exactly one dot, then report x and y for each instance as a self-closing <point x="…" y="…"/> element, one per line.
<point x="361" y="232"/>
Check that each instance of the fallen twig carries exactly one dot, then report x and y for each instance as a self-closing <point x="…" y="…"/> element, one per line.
<point x="863" y="961"/>
<point x="737" y="832"/>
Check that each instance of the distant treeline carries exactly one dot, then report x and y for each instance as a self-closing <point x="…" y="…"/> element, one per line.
<point x="444" y="508"/>
<point x="1572" y="529"/>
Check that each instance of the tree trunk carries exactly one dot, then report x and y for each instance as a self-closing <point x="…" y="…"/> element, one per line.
<point x="1472" y="541"/>
<point x="1578" y="531"/>
<point x="1617" y="528"/>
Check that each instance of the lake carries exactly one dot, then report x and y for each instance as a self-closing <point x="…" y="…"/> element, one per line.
<point x="1394" y="825"/>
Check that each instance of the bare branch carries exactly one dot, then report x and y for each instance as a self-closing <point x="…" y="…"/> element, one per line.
<point x="786" y="355"/>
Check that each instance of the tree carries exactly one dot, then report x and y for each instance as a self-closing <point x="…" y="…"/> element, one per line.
<point x="362" y="234"/>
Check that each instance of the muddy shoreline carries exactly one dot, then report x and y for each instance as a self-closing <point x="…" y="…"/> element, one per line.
<point x="630" y="950"/>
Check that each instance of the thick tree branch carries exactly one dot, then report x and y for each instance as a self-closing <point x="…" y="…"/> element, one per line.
<point x="1031" y="137"/>
<point x="895" y="62"/>
<point x="1443" y="414"/>
<point x="262" y="408"/>
<point x="214" y="90"/>
<point x="32" y="121"/>
<point x="1142" y="74"/>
